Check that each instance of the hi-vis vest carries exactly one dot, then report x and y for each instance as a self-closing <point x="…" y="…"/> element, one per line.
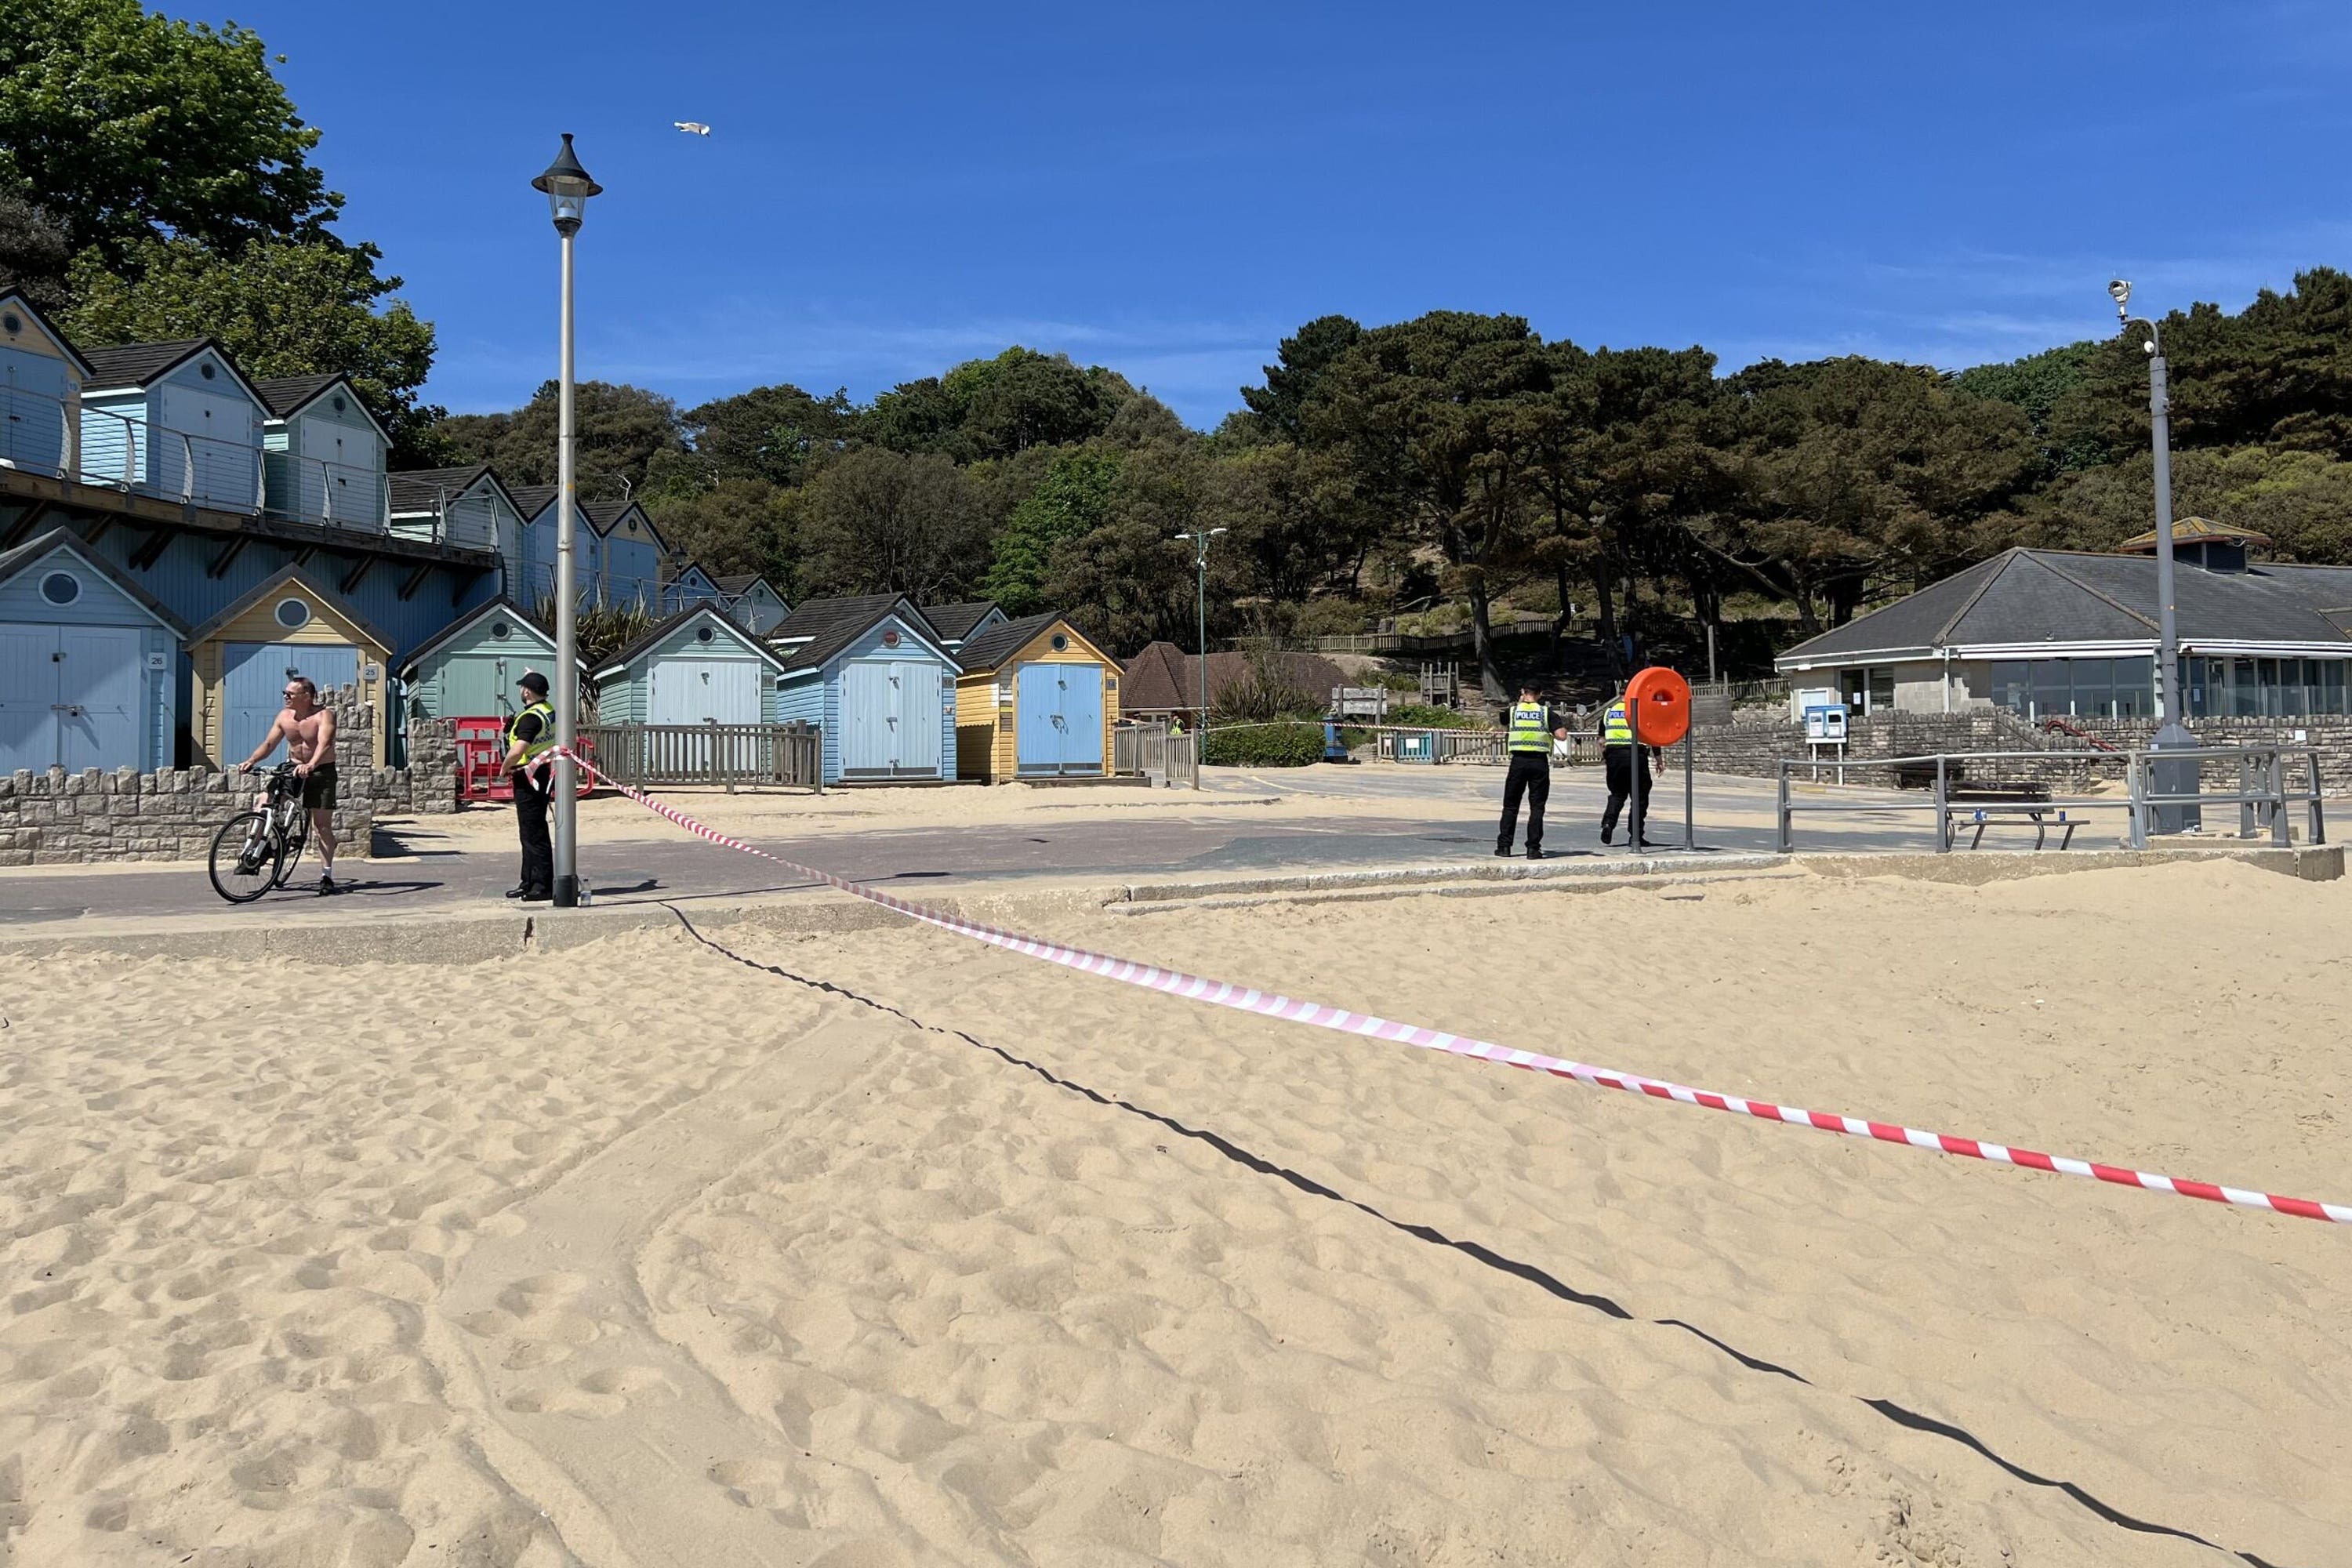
<point x="1530" y="726"/>
<point x="534" y="749"/>
<point x="1616" y="729"/>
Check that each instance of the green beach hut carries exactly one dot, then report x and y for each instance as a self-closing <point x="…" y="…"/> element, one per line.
<point x="468" y="668"/>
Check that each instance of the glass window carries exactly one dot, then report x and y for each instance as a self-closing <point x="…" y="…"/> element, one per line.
<point x="2054" y="689"/>
<point x="2136" y="687"/>
<point x="1881" y="690"/>
<point x="2196" y="677"/>
<point x="2012" y="687"/>
<point x="60" y="587"/>
<point x="2094" y="686"/>
<point x="2331" y="686"/>
<point x="2246" y="701"/>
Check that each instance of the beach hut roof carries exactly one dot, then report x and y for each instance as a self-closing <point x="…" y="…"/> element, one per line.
<point x="42" y="546"/>
<point x="811" y="635"/>
<point x="277" y="582"/>
<point x="1002" y="641"/>
<point x="286" y="395"/>
<point x="662" y="629"/>
<point x="415" y="490"/>
<point x="143" y="364"/>
<point x="14" y="299"/>
<point x="501" y="606"/>
<point x="954" y="622"/>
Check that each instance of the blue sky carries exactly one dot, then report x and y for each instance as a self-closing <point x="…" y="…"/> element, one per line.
<point x="1169" y="190"/>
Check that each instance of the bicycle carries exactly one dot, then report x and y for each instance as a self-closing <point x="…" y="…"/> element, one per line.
<point x="255" y="851"/>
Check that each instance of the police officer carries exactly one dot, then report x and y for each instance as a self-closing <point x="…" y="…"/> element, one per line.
<point x="1529" y="743"/>
<point x="530" y="738"/>
<point x="1626" y="765"/>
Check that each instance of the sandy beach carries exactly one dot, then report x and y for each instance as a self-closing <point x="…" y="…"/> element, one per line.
<point x="734" y="1248"/>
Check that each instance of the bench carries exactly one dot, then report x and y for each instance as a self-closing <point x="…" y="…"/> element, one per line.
<point x="2043" y="818"/>
<point x="2017" y="790"/>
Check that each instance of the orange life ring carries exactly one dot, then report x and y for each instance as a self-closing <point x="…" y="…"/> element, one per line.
<point x="1659" y="702"/>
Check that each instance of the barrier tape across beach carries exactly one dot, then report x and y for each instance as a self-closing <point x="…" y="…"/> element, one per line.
<point x="1271" y="1004"/>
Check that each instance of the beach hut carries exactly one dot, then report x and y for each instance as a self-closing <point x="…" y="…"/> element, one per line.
<point x="618" y="560"/>
<point x="1035" y="699"/>
<point x="468" y="506"/>
<point x="468" y="668"/>
<point x="691" y="587"/>
<point x="960" y="623"/>
<point x="87" y="662"/>
<point x="695" y="668"/>
<point x="322" y="454"/>
<point x="174" y="419"/>
<point x="285" y="625"/>
<point x="871" y="672"/>
<point x="754" y="602"/>
<point x="41" y="377"/>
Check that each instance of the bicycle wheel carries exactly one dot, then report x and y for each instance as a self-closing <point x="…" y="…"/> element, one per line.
<point x="246" y="853"/>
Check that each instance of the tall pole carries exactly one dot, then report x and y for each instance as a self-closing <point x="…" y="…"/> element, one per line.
<point x="2169" y="710"/>
<point x="566" y="803"/>
<point x="1200" y="616"/>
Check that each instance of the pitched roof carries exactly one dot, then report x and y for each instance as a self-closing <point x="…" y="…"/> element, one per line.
<point x="143" y="364"/>
<point x="832" y="624"/>
<point x="532" y="501"/>
<point x="2197" y="531"/>
<point x="954" y="622"/>
<point x="1163" y="677"/>
<point x="286" y="395"/>
<point x="498" y="605"/>
<point x="2028" y="596"/>
<point x="662" y="628"/>
<point x="15" y="561"/>
<point x="1002" y="641"/>
<point x="15" y="299"/>
<point x="136" y="364"/>
<point x="735" y="584"/>
<point x="277" y="581"/>
<point x="415" y="489"/>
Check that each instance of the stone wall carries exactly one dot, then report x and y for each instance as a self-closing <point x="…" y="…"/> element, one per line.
<point x="59" y="818"/>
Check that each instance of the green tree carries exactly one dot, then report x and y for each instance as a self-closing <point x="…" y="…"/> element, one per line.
<point x="882" y="521"/>
<point x="1425" y="413"/>
<point x="33" y="251"/>
<point x="1071" y="500"/>
<point x="620" y="431"/>
<point x="132" y="127"/>
<point x="735" y="523"/>
<point x="1277" y="409"/>
<point x="779" y="434"/>
<point x="279" y="308"/>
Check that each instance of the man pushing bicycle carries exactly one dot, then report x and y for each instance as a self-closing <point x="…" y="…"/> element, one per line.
<point x="309" y="731"/>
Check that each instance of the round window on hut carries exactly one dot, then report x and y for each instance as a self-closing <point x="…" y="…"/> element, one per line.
<point x="206" y="369"/>
<point x="293" y="614"/>
<point x="340" y="403"/>
<point x="11" y="324"/>
<point x="702" y="634"/>
<point x="60" y="587"/>
<point x="500" y="630"/>
<point x="1061" y="643"/>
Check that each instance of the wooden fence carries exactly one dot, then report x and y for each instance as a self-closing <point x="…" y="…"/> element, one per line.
<point x="1150" y="750"/>
<point x="747" y="756"/>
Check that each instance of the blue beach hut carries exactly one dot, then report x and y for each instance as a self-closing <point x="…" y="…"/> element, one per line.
<point x="88" y="662"/>
<point x="872" y="673"/>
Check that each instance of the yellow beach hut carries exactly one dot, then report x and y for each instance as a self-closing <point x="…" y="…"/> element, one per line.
<point x="286" y="627"/>
<point x="1035" y="699"/>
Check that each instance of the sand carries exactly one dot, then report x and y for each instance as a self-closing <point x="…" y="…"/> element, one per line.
<point x="646" y="1254"/>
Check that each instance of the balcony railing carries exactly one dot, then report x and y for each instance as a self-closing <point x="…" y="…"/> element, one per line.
<point x="62" y="439"/>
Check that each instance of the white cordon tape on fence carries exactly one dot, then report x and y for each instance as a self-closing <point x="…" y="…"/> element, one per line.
<point x="1219" y="993"/>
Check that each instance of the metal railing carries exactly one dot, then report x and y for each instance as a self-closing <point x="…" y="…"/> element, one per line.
<point x="1398" y="743"/>
<point x="1152" y="751"/>
<point x="731" y="756"/>
<point x="64" y="438"/>
<point x="2265" y="794"/>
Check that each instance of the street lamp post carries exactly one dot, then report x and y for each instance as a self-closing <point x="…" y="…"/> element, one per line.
<point x="2171" y="732"/>
<point x="1200" y="538"/>
<point x="568" y="188"/>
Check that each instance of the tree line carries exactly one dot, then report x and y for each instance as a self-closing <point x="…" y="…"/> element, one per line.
<point x="1443" y="468"/>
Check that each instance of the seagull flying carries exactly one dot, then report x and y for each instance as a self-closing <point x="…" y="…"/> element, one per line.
<point x="692" y="127"/>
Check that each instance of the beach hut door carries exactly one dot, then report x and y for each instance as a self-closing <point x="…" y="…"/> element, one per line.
<point x="1061" y="718"/>
<point x="69" y="696"/>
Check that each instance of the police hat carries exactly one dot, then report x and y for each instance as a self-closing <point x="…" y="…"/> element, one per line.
<point x="534" y="681"/>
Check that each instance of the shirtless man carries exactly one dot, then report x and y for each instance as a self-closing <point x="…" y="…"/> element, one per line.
<point x="309" y="731"/>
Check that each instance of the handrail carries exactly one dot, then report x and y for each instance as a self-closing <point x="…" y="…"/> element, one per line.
<point x="2264" y="795"/>
<point x="223" y="475"/>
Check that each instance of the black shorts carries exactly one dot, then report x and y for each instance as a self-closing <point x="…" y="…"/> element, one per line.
<point x="319" y="788"/>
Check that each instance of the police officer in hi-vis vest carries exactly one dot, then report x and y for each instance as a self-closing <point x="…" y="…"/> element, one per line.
<point x="1530" y="743"/>
<point x="1626" y="765"/>
<point x="531" y="743"/>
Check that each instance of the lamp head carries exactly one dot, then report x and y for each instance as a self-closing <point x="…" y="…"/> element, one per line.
<point x="568" y="188"/>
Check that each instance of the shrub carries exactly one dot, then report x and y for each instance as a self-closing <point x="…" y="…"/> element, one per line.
<point x="1422" y="716"/>
<point x="1265" y="746"/>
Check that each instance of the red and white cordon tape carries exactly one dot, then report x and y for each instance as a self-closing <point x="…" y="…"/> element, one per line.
<point x="1223" y="994"/>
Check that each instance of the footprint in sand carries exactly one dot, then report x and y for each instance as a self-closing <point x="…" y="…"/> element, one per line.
<point x="597" y="1396"/>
